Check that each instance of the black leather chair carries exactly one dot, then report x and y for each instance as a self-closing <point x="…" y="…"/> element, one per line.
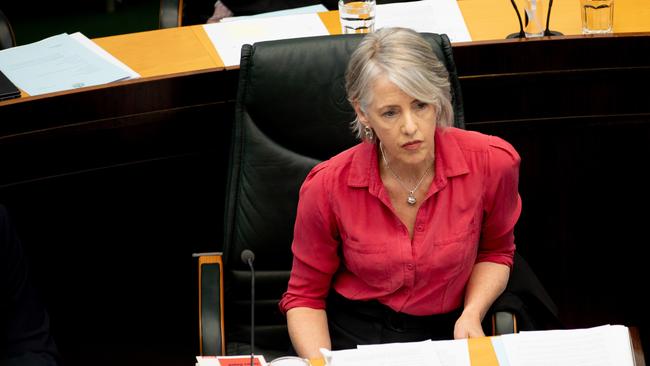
<point x="7" y="38"/>
<point x="291" y="113"/>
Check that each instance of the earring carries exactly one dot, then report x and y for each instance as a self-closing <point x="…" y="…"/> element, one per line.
<point x="370" y="135"/>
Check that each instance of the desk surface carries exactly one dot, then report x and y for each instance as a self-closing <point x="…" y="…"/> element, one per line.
<point x="184" y="49"/>
<point x="188" y="48"/>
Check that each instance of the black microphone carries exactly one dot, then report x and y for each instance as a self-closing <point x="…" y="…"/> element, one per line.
<point x="247" y="256"/>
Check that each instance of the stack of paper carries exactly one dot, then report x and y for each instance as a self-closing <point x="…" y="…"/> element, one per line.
<point x="607" y="345"/>
<point x="427" y="353"/>
<point x="60" y="63"/>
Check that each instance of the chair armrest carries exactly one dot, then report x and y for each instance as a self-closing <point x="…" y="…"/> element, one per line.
<point x="504" y="322"/>
<point x="171" y="14"/>
<point x="210" y="269"/>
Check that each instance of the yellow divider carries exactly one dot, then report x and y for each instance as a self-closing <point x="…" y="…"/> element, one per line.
<point x="481" y="352"/>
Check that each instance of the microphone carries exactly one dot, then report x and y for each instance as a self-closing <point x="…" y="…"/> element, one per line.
<point x="247" y="256"/>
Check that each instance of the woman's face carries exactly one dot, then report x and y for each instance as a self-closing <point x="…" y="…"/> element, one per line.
<point x="404" y="125"/>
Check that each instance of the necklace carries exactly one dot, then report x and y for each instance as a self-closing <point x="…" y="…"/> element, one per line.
<point x="411" y="200"/>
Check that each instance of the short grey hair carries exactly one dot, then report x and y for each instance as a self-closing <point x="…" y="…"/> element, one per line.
<point x="409" y="62"/>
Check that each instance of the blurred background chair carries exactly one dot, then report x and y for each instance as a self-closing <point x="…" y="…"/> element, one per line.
<point x="292" y="112"/>
<point x="7" y="38"/>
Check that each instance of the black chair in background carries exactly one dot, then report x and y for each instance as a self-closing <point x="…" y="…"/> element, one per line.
<point x="292" y="112"/>
<point x="7" y="37"/>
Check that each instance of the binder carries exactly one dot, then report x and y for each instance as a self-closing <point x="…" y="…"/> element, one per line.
<point x="7" y="89"/>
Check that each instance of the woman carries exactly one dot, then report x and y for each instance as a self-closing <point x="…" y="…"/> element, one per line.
<point x="408" y="235"/>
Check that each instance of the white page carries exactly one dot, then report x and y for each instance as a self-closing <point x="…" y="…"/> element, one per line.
<point x="302" y="10"/>
<point x="435" y="16"/>
<point x="94" y="47"/>
<point x="229" y="37"/>
<point x="390" y="354"/>
<point x="599" y="346"/>
<point x="56" y="63"/>
<point x="450" y="353"/>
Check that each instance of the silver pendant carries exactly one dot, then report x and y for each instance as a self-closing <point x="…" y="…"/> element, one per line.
<point x="411" y="199"/>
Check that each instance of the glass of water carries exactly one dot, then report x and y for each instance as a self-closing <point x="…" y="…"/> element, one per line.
<point x="357" y="16"/>
<point x="597" y="16"/>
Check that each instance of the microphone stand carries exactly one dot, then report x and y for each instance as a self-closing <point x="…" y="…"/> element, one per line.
<point x="247" y="256"/>
<point x="548" y="32"/>
<point x="250" y="264"/>
<point x="521" y="33"/>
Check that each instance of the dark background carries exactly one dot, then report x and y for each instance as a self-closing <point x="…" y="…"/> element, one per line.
<point x="35" y="20"/>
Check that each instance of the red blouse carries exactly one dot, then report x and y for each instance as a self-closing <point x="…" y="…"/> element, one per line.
<point x="348" y="237"/>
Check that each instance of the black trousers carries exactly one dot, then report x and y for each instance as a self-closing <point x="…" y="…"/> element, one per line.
<point x="352" y="323"/>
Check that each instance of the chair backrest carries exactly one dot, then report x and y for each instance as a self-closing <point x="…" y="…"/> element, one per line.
<point x="292" y="112"/>
<point x="7" y="38"/>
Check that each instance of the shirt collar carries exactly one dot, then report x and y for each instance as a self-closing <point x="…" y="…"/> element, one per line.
<point x="450" y="160"/>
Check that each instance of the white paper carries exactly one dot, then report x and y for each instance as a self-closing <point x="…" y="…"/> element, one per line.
<point x="390" y="354"/>
<point x="229" y="37"/>
<point x="79" y="37"/>
<point x="435" y="16"/>
<point x="599" y="346"/>
<point x="450" y="353"/>
<point x="302" y="10"/>
<point x="55" y="64"/>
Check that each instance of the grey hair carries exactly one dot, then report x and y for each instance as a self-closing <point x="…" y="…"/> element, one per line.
<point x="409" y="62"/>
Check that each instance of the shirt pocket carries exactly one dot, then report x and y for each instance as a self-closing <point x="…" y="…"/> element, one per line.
<point x="456" y="252"/>
<point x="370" y="262"/>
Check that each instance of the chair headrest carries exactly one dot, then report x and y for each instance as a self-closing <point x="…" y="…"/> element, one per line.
<point x="297" y="88"/>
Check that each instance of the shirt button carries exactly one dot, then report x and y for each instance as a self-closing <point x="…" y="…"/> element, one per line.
<point x="410" y="266"/>
<point x="420" y="228"/>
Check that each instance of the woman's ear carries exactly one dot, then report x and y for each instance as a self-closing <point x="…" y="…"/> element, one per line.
<point x="361" y="115"/>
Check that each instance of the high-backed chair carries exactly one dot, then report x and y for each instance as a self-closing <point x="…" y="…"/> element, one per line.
<point x="292" y="112"/>
<point x="7" y="38"/>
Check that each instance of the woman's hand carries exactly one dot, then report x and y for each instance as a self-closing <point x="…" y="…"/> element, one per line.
<point x="468" y="325"/>
<point x="308" y="331"/>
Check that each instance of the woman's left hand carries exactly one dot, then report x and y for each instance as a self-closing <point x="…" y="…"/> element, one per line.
<point x="468" y="326"/>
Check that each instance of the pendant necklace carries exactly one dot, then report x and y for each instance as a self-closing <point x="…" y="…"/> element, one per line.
<point x="411" y="200"/>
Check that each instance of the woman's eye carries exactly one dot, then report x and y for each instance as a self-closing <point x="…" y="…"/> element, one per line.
<point x="420" y="105"/>
<point x="389" y="114"/>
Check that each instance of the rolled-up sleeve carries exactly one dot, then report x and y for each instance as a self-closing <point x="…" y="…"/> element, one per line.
<point x="502" y="203"/>
<point x="315" y="245"/>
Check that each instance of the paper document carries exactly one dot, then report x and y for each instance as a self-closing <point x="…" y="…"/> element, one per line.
<point x="390" y="354"/>
<point x="450" y="353"/>
<point x="302" y="10"/>
<point x="434" y="16"/>
<point x="92" y="46"/>
<point x="229" y="37"/>
<point x="600" y="346"/>
<point x="57" y="63"/>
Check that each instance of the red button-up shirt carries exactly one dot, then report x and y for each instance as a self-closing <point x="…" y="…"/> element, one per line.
<point x="348" y="237"/>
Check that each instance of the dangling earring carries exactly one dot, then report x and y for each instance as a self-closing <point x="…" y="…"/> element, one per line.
<point x="370" y="135"/>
